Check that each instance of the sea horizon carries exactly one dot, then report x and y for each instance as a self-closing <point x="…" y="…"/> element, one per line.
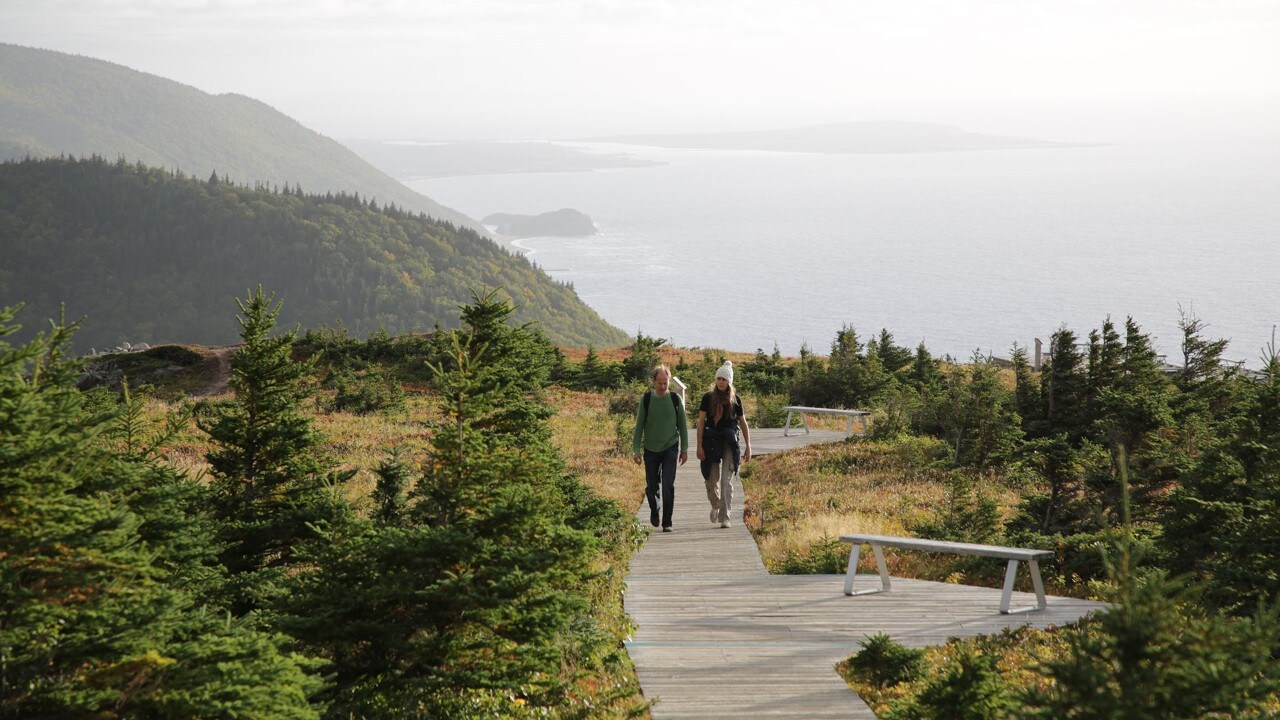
<point x="964" y="251"/>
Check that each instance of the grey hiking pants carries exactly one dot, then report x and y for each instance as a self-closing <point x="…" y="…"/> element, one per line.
<point x="720" y="489"/>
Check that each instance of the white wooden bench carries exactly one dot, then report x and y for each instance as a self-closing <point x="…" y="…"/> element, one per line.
<point x="1013" y="555"/>
<point x="803" y="411"/>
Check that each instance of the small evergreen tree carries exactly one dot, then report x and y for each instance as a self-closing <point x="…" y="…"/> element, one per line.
<point x="1027" y="402"/>
<point x="969" y="688"/>
<point x="643" y="358"/>
<point x="1155" y="655"/>
<point x="1223" y="521"/>
<point x="476" y="603"/>
<point x="764" y="374"/>
<point x="894" y="357"/>
<point x="99" y="550"/>
<point x="394" y="478"/>
<point x="809" y="385"/>
<point x="885" y="662"/>
<point x="269" y="481"/>
<point x="1064" y="386"/>
<point x="975" y="412"/>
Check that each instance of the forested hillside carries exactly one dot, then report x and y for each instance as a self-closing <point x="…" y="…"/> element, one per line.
<point x="52" y="103"/>
<point x="150" y="255"/>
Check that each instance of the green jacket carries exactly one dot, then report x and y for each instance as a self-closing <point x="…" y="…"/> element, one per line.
<point x="662" y="426"/>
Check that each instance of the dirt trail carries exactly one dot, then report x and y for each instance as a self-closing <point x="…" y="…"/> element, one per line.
<point x="220" y="358"/>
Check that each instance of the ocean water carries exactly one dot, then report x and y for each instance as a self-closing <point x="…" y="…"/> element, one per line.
<point x="964" y="251"/>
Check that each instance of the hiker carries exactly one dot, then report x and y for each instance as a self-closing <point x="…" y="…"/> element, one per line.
<point x="663" y="433"/>
<point x="724" y="442"/>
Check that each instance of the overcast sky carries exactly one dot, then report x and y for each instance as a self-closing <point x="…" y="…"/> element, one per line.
<point x="527" y="69"/>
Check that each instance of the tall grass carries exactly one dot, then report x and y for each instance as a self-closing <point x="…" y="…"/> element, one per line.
<point x="800" y="502"/>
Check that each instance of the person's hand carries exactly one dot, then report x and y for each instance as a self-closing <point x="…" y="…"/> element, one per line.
<point x="747" y="454"/>
<point x="684" y="457"/>
<point x="702" y="454"/>
<point x="636" y="458"/>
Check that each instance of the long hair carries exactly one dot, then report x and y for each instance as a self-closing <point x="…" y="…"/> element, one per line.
<point x="721" y="402"/>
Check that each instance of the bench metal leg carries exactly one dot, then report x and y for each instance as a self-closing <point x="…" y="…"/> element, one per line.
<point x="1010" y="574"/>
<point x="863" y="419"/>
<point x="848" y="429"/>
<point x="786" y="427"/>
<point x="852" y="572"/>
<point x="805" y="419"/>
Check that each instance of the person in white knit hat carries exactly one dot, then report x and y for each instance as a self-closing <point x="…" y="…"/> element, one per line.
<point x="724" y="442"/>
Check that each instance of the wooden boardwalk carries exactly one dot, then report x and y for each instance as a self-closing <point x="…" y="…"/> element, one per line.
<point x="718" y="637"/>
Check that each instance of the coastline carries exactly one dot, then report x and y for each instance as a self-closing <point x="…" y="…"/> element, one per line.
<point x="507" y="242"/>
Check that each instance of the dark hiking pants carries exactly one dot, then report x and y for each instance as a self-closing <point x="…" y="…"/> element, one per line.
<point x="661" y="467"/>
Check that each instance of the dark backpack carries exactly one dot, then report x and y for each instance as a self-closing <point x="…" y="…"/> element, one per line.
<point x="675" y="399"/>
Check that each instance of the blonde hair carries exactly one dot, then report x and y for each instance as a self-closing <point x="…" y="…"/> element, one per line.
<point x="657" y="369"/>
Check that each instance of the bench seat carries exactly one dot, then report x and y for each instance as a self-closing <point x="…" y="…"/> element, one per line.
<point x="1013" y="555"/>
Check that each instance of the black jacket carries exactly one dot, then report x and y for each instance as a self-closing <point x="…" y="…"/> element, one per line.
<point x="714" y="444"/>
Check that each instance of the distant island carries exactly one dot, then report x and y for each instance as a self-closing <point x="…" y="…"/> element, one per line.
<point x="565" y="222"/>
<point x="405" y="160"/>
<point x="840" y="138"/>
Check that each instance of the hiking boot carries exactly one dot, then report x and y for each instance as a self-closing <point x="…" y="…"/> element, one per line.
<point x="666" y="528"/>
<point x="724" y="524"/>
<point x="715" y="515"/>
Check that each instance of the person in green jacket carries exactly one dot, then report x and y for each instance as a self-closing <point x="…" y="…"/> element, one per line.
<point x="660" y="438"/>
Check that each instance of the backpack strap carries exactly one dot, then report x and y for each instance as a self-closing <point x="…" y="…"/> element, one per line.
<point x="675" y="400"/>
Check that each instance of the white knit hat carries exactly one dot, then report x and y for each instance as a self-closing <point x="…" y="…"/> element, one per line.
<point x="725" y="371"/>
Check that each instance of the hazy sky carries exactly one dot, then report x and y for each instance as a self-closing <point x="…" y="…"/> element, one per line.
<point x="451" y="69"/>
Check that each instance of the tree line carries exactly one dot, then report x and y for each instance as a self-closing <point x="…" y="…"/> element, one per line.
<point x="150" y="255"/>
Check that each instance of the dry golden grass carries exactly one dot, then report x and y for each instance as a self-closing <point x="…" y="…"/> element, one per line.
<point x="584" y="432"/>
<point x="803" y="499"/>
<point x="820" y="526"/>
<point x="351" y="442"/>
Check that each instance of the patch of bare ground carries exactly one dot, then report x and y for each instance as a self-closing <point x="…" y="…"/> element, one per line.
<point x="218" y="364"/>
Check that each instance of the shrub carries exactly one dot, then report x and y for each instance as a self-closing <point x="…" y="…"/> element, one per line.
<point x="969" y="689"/>
<point x="626" y="401"/>
<point x="365" y="393"/>
<point x="884" y="662"/>
<point x="968" y="515"/>
<point x="769" y="412"/>
<point x="826" y="556"/>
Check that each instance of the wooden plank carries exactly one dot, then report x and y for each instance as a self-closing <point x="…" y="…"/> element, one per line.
<point x="718" y="637"/>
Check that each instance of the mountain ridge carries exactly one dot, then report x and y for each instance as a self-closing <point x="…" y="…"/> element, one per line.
<point x="53" y="103"/>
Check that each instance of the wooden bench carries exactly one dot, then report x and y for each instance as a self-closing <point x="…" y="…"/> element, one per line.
<point x="1013" y="555"/>
<point x="860" y="415"/>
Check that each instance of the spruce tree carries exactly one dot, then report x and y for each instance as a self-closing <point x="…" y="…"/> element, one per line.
<point x="1026" y="391"/>
<point x="270" y="484"/>
<point x="394" y="479"/>
<point x="97" y="550"/>
<point x="644" y="356"/>
<point x="1223" y="521"/>
<point x="1064" y="386"/>
<point x="853" y="378"/>
<point x="1155" y="654"/>
<point x="1134" y="405"/>
<point x="894" y="356"/>
<point x="476" y="603"/>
